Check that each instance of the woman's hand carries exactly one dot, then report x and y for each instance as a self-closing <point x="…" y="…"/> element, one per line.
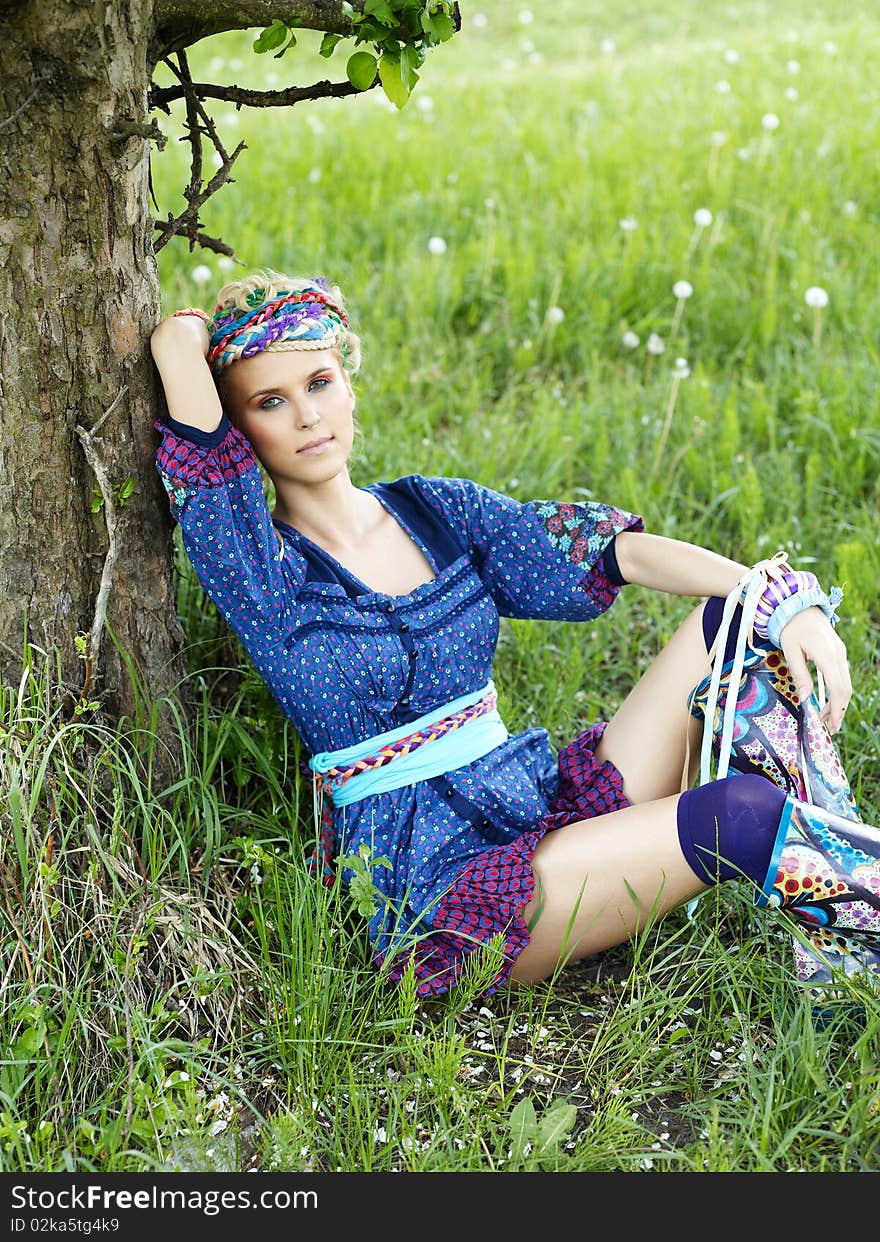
<point x="809" y="635"/>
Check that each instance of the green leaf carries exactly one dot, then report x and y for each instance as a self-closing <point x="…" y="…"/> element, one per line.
<point x="328" y="43"/>
<point x="522" y="1125"/>
<point x="361" y="70"/>
<point x="272" y="36"/>
<point x="125" y="490"/>
<point x="409" y="63"/>
<point x="97" y="502"/>
<point x="444" y="26"/>
<point x="391" y="77"/>
<point x="556" y="1125"/>
<point x="381" y="10"/>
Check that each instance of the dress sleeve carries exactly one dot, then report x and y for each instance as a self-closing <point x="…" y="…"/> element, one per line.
<point x="216" y="494"/>
<point x="544" y="559"/>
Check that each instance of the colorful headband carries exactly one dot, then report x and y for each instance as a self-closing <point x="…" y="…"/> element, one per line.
<point x="307" y="318"/>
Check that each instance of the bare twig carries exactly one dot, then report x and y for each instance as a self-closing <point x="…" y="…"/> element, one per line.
<point x="241" y="96"/>
<point x="87" y="438"/>
<point x="198" y="122"/>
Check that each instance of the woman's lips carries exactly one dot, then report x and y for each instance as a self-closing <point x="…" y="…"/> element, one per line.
<point x="314" y="447"/>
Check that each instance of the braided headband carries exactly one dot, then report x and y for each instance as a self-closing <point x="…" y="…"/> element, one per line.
<point x="303" y="319"/>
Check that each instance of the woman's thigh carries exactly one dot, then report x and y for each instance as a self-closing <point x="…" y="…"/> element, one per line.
<point x="599" y="881"/>
<point x="648" y="736"/>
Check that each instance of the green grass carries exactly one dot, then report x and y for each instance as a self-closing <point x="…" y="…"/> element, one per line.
<point x="178" y="993"/>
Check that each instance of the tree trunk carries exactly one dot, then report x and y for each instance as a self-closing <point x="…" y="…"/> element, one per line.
<point x="79" y="289"/>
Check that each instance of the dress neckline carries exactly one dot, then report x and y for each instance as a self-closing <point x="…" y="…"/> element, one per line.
<point x="366" y="592"/>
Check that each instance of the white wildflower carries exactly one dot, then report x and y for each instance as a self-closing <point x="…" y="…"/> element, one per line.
<point x="682" y="370"/>
<point x="629" y="340"/>
<point x="437" y="245"/>
<point x="682" y="289"/>
<point x="722" y="86"/>
<point x="703" y="217"/>
<point x="830" y="48"/>
<point x="791" y="93"/>
<point x="314" y="175"/>
<point x="731" y="56"/>
<point x="794" y="66"/>
<point x="201" y="274"/>
<point x="555" y="314"/>
<point x="608" y="47"/>
<point x="655" y="344"/>
<point x="628" y="224"/>
<point x="816" y="297"/>
<point x="526" y="17"/>
<point x="479" y="20"/>
<point x="850" y="208"/>
<point x="718" y="137"/>
<point x="770" y="121"/>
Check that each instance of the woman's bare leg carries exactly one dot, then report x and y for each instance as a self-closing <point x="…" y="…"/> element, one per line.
<point x="647" y="737"/>
<point x="599" y="881"/>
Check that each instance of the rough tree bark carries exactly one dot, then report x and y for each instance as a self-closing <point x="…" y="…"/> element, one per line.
<point x="79" y="293"/>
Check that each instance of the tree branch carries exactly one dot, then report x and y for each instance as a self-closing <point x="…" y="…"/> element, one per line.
<point x="180" y="23"/>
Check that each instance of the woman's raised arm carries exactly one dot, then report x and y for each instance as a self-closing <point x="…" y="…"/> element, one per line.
<point x="179" y="345"/>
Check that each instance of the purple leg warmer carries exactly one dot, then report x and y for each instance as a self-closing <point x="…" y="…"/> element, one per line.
<point x="728" y="828"/>
<point x="712" y="610"/>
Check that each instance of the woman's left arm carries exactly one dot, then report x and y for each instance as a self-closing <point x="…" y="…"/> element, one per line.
<point x="679" y="568"/>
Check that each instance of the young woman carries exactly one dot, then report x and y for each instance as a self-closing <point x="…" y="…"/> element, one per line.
<point x="372" y="615"/>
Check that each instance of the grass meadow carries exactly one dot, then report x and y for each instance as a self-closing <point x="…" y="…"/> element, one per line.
<point x="178" y="994"/>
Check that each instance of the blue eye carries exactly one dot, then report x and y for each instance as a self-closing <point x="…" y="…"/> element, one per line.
<point x="264" y="406"/>
<point x="322" y="379"/>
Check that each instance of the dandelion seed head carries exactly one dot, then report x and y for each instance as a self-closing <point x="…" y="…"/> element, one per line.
<point x="655" y="344"/>
<point x="850" y="208"/>
<point x="731" y="55"/>
<point x="201" y="274"/>
<point x="629" y="224"/>
<point x="722" y="86"/>
<point x="816" y="297"/>
<point x="314" y="175"/>
<point x="718" y="137"/>
<point x="479" y="20"/>
<point x="526" y="17"/>
<point x="608" y="47"/>
<point x="793" y="66"/>
<point x="437" y="245"/>
<point x="791" y="93"/>
<point x="770" y="121"/>
<point x="681" y="370"/>
<point x="703" y="217"/>
<point x="630" y="340"/>
<point x="830" y="48"/>
<point x="555" y="314"/>
<point x="425" y="103"/>
<point x="682" y="288"/>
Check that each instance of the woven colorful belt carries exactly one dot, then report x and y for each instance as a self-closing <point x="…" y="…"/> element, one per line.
<point x="334" y="778"/>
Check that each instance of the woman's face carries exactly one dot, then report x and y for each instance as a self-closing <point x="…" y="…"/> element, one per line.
<point x="296" y="407"/>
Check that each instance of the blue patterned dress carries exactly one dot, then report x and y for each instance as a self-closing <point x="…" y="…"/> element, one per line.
<point x="345" y="663"/>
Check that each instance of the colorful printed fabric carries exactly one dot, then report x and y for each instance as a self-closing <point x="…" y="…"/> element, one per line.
<point x="346" y="663"/>
<point x="490" y="893"/>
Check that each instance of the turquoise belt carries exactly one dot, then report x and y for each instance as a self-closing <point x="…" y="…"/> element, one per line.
<point x="455" y="734"/>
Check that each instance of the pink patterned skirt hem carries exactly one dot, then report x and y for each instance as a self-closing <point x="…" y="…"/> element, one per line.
<point x="490" y="893"/>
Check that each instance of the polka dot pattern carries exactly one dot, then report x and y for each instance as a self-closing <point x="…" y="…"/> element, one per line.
<point x="345" y="663"/>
